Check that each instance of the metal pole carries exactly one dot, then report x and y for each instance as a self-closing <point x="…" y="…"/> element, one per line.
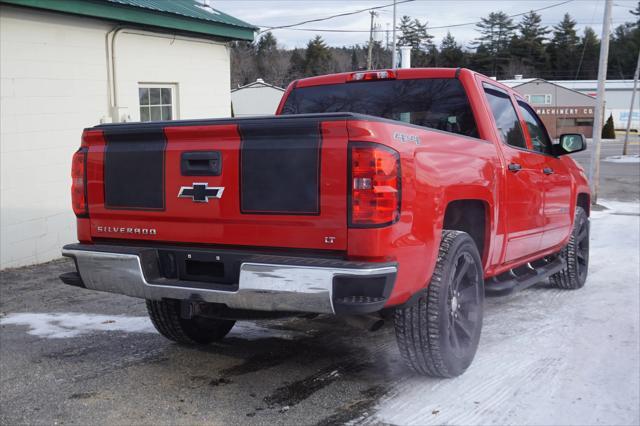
<point x="394" y="54"/>
<point x="594" y="167"/>
<point x="386" y="43"/>
<point x="633" y="100"/>
<point x="370" y="40"/>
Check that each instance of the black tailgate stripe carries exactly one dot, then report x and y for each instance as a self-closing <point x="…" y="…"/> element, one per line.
<point x="280" y="167"/>
<point x="134" y="169"/>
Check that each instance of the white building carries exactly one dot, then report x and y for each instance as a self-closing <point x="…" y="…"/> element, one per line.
<point x="617" y="97"/>
<point x="257" y="98"/>
<point x="70" y="64"/>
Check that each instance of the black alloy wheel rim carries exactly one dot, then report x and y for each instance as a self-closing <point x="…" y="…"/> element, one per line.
<point x="582" y="249"/>
<point x="463" y="304"/>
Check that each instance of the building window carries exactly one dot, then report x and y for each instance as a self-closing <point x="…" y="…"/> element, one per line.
<point x="157" y="102"/>
<point x="567" y="122"/>
<point x="538" y="99"/>
<point x="584" y="122"/>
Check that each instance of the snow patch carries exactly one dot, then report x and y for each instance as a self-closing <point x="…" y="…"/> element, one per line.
<point x="71" y="324"/>
<point x="634" y="158"/>
<point x="618" y="207"/>
<point x="66" y="325"/>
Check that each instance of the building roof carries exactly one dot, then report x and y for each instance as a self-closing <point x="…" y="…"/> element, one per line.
<point x="187" y="16"/>
<point x="256" y="85"/>
<point x="578" y="85"/>
<point x="557" y="87"/>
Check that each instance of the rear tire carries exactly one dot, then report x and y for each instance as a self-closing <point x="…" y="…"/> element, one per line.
<point x="439" y="334"/>
<point x="575" y="255"/>
<point x="165" y="316"/>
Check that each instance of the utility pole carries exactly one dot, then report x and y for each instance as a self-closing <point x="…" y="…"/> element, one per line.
<point x="373" y="14"/>
<point x="394" y="57"/>
<point x="386" y="44"/>
<point x="594" y="167"/>
<point x="633" y="100"/>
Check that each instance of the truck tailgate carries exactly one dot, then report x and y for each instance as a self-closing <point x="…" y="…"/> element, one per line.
<point x="272" y="182"/>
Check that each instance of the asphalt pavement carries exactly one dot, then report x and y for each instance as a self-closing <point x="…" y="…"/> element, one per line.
<point x="618" y="181"/>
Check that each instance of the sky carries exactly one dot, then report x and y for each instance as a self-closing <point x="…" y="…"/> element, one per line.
<point x="269" y="13"/>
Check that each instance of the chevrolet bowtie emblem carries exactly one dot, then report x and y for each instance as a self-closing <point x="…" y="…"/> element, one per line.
<point x="200" y="192"/>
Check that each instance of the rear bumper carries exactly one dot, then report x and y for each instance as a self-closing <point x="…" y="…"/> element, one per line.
<point x="261" y="283"/>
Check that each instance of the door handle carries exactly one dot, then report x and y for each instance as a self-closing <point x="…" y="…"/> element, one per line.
<point x="547" y="171"/>
<point x="201" y="163"/>
<point x="515" y="167"/>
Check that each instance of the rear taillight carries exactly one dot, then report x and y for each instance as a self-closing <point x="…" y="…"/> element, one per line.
<point x="375" y="185"/>
<point x="79" y="183"/>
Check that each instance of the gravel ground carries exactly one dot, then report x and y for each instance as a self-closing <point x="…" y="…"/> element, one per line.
<point x="546" y="356"/>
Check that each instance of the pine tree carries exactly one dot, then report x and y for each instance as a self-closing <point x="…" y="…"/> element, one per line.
<point x="563" y="49"/>
<point x="624" y="48"/>
<point x="354" y="60"/>
<point x="318" y="59"/>
<point x="266" y="51"/>
<point x="296" y="65"/>
<point x="415" y="34"/>
<point x="451" y="54"/>
<point x="636" y="12"/>
<point x="589" y="49"/>
<point x="407" y="32"/>
<point x="527" y="47"/>
<point x="609" y="131"/>
<point x="496" y="32"/>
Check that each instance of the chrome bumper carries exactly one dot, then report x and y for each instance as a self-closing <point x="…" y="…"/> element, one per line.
<point x="261" y="286"/>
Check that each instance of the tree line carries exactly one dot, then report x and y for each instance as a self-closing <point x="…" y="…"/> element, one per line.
<point x="502" y="49"/>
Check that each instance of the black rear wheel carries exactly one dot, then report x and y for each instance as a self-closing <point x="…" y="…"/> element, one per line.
<point x="439" y="334"/>
<point x="575" y="255"/>
<point x="165" y="316"/>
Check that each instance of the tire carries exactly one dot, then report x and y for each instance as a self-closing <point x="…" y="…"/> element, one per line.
<point x="575" y="255"/>
<point x="165" y="316"/>
<point x="435" y="338"/>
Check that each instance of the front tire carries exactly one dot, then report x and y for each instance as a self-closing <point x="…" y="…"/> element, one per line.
<point x="575" y="255"/>
<point x="165" y="316"/>
<point x="438" y="335"/>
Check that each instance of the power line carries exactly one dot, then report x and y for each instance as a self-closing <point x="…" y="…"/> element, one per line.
<point x="279" y="27"/>
<point x="328" y="30"/>
<point x="331" y="30"/>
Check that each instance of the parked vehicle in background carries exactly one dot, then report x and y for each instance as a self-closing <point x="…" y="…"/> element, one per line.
<point x="406" y="192"/>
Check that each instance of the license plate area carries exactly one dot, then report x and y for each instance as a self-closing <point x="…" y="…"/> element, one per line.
<point x="198" y="269"/>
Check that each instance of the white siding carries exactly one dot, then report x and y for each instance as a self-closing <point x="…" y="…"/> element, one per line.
<point x="53" y="83"/>
<point x="200" y="69"/>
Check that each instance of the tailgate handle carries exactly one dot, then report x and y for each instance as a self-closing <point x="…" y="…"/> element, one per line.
<point x="201" y="163"/>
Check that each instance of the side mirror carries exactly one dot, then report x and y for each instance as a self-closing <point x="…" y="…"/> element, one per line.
<point x="570" y="143"/>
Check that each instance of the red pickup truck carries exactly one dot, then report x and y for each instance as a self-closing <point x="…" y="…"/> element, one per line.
<point x="406" y="193"/>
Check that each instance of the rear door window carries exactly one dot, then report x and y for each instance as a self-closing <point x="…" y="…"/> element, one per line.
<point x="438" y="103"/>
<point x="505" y="116"/>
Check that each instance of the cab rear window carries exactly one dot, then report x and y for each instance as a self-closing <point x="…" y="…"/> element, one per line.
<point x="436" y="102"/>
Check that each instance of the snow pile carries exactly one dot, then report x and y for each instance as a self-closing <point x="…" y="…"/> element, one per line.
<point x="635" y="158"/>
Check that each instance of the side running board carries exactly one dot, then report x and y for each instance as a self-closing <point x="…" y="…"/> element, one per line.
<point x="522" y="277"/>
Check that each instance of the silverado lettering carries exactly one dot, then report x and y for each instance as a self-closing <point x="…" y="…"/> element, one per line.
<point x="126" y="230"/>
<point x="324" y="212"/>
